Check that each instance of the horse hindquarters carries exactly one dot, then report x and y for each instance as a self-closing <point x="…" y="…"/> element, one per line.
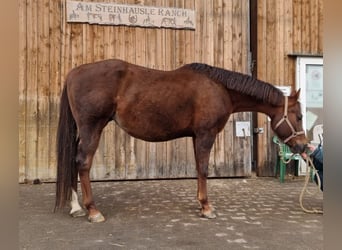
<point x="77" y="142"/>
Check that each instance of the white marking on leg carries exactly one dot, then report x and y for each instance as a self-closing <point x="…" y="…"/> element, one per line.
<point x="75" y="206"/>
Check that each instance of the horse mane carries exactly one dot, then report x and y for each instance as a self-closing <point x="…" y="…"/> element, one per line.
<point x="241" y="83"/>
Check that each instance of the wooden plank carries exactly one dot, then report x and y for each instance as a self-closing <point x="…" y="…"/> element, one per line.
<point x="314" y="20"/>
<point x="22" y="89"/>
<point x="189" y="58"/>
<point x="141" y="146"/>
<point x="218" y="148"/>
<point x="99" y="169"/>
<point x="131" y="170"/>
<point x="109" y="130"/>
<point x="297" y="26"/>
<point x="161" y="148"/>
<point x="305" y="29"/>
<point x="288" y="45"/>
<point x="261" y="74"/>
<point x="56" y="83"/>
<point x="237" y="66"/>
<point x="120" y="136"/>
<point x="199" y="31"/>
<point x="320" y="27"/>
<point x="280" y="29"/>
<point x="32" y="86"/>
<point x="245" y="43"/>
<point x="43" y="90"/>
<point x="228" y="64"/>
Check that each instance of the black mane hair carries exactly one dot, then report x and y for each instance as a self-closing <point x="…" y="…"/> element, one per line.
<point x="241" y="83"/>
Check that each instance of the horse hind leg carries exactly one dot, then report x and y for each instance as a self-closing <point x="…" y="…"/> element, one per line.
<point x="76" y="209"/>
<point x="89" y="140"/>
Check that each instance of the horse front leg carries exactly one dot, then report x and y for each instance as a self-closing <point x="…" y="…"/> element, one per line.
<point x="202" y="147"/>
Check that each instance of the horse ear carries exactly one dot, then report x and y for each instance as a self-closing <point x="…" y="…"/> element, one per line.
<point x="296" y="94"/>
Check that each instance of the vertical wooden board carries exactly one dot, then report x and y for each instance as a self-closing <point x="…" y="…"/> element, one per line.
<point x="236" y="42"/>
<point x="200" y="22"/>
<point x="179" y="164"/>
<point x="245" y="33"/>
<point x="279" y="66"/>
<point x="305" y="29"/>
<point x="218" y="147"/>
<point x="151" y="54"/>
<point x="228" y="147"/>
<point x="120" y="135"/>
<point x="320" y="27"/>
<point x="288" y="45"/>
<point x="120" y="154"/>
<point x="209" y="33"/>
<point x="313" y="35"/>
<point x="32" y="103"/>
<point x="219" y="33"/>
<point x="270" y="38"/>
<point x="66" y="63"/>
<point x="141" y="146"/>
<point x="227" y="35"/>
<point x="99" y="169"/>
<point x="43" y="90"/>
<point x="189" y="58"/>
<point x="170" y="64"/>
<point x="161" y="148"/>
<point x="208" y="57"/>
<point x="262" y="45"/>
<point x="22" y="89"/>
<point x="109" y="131"/>
<point x="297" y="26"/>
<point x="55" y="81"/>
<point x="261" y="73"/>
<point x="130" y="141"/>
<point x="228" y="64"/>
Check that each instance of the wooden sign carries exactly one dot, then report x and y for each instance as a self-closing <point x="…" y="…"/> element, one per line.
<point x="130" y="15"/>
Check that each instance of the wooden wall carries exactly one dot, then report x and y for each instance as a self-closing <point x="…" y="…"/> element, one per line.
<point x="284" y="28"/>
<point x="50" y="47"/>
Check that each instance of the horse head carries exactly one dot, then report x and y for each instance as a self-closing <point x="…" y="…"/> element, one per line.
<point x="287" y="123"/>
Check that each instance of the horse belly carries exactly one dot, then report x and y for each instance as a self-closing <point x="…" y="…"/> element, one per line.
<point x="153" y="124"/>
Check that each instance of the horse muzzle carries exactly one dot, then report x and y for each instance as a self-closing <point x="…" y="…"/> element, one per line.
<point x="299" y="148"/>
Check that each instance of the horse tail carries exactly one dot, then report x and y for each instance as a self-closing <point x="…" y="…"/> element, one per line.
<point x="67" y="142"/>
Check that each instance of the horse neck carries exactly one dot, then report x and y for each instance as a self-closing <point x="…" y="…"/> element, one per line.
<point x="244" y="103"/>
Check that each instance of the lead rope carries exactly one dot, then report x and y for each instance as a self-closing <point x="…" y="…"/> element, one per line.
<point x="309" y="164"/>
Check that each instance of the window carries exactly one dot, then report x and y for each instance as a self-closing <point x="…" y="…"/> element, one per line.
<point x="309" y="78"/>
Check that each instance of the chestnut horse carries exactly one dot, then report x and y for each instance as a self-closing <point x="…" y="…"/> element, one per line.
<point x="195" y="101"/>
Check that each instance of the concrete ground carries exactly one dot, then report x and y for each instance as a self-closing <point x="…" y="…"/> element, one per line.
<point x="253" y="213"/>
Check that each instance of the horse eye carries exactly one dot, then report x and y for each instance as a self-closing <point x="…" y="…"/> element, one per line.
<point x="300" y="117"/>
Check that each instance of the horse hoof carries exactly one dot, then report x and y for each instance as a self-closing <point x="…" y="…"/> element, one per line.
<point x="96" y="218"/>
<point x="208" y="214"/>
<point x="78" y="213"/>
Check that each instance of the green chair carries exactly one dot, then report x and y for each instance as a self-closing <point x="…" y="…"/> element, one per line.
<point x="284" y="156"/>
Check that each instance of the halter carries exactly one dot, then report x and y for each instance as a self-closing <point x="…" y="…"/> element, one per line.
<point x="285" y="118"/>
